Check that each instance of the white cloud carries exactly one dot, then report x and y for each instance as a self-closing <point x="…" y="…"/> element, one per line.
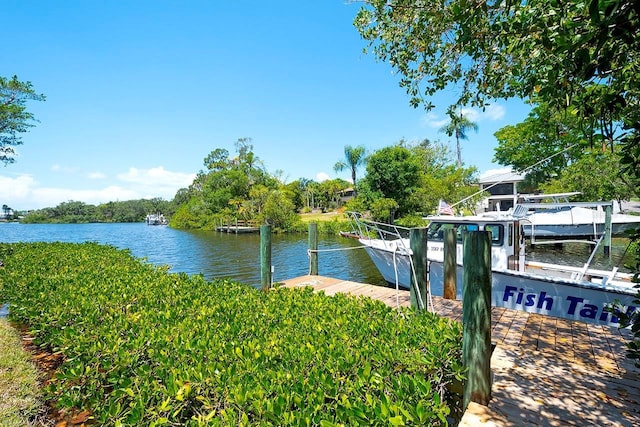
<point x="96" y="175"/>
<point x="491" y="112"/>
<point x="434" y="121"/>
<point x="64" y="169"/>
<point x="321" y="176"/>
<point x="494" y="112"/>
<point x="50" y="197"/>
<point x="24" y="192"/>
<point x="157" y="180"/>
<point x="470" y="113"/>
<point x="14" y="190"/>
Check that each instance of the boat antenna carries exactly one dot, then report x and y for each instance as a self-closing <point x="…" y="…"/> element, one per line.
<point x="502" y="180"/>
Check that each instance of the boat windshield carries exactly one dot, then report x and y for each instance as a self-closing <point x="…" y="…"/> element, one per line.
<point x="436" y="231"/>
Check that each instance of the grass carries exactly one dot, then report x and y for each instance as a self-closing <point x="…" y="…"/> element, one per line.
<point x="20" y="403"/>
<point x="320" y="217"/>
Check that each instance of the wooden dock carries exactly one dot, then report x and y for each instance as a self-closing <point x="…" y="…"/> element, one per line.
<point x="546" y="371"/>
<point x="237" y="229"/>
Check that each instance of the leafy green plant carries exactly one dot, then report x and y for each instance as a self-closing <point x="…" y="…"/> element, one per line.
<point x="632" y="317"/>
<point x="141" y="346"/>
<point x="333" y="227"/>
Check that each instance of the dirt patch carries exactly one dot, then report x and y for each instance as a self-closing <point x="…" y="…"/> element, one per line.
<point x="47" y="363"/>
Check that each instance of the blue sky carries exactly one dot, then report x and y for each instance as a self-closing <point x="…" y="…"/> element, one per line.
<point x="138" y="93"/>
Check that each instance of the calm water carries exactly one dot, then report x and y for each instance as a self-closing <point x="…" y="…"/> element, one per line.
<point x="220" y="255"/>
<point x="577" y="254"/>
<point x="213" y="254"/>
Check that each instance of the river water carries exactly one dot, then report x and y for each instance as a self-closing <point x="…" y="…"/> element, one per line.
<point x="210" y="253"/>
<point x="221" y="255"/>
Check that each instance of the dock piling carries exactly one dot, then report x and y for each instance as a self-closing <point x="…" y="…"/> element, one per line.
<point x="450" y="286"/>
<point x="476" y="316"/>
<point x="607" y="230"/>
<point x="313" y="248"/>
<point x="418" y="244"/>
<point x="265" y="257"/>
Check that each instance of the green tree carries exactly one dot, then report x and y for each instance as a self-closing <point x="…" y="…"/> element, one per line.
<point x="218" y="159"/>
<point x="596" y="175"/>
<point x="458" y="127"/>
<point x="585" y="54"/>
<point x="561" y="53"/>
<point x="354" y="157"/>
<point x="182" y="196"/>
<point x="14" y="117"/>
<point x="543" y="145"/>
<point x="229" y="189"/>
<point x="296" y="189"/>
<point x="193" y="215"/>
<point x="383" y="210"/>
<point x="279" y="211"/>
<point x="310" y="191"/>
<point x="415" y="176"/>
<point x="328" y="193"/>
<point x="441" y="178"/>
<point x="394" y="173"/>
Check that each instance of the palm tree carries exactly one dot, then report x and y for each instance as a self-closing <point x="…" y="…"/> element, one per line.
<point x="354" y="157"/>
<point x="459" y="126"/>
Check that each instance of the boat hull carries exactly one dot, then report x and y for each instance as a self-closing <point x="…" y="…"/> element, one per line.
<point x="394" y="267"/>
<point x="564" y="298"/>
<point x="532" y="293"/>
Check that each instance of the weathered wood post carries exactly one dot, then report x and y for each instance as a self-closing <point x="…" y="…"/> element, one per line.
<point x="265" y="256"/>
<point x="476" y="316"/>
<point x="418" y="291"/>
<point x="313" y="248"/>
<point x="450" y="290"/>
<point x="607" y="230"/>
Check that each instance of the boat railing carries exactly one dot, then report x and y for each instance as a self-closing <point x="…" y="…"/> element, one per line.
<point x="369" y="229"/>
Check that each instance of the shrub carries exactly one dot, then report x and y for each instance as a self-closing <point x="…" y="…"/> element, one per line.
<point x="145" y="347"/>
<point x="333" y="227"/>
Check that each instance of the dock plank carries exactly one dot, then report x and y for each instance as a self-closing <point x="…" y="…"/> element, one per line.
<point x="582" y="344"/>
<point x="529" y="340"/>
<point x="546" y="371"/>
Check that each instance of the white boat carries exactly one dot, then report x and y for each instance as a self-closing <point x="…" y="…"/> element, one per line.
<point x="569" y="292"/>
<point x="562" y="219"/>
<point x="156" y="219"/>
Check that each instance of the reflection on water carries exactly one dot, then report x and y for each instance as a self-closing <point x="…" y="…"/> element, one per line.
<point x="210" y="253"/>
<point x="221" y="255"/>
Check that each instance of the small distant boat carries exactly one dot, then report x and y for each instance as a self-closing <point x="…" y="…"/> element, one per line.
<point x="156" y="219"/>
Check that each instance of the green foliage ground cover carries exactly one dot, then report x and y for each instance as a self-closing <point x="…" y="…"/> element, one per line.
<point x="145" y="347"/>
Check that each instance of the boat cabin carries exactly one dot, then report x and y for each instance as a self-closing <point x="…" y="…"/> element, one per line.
<point x="506" y="235"/>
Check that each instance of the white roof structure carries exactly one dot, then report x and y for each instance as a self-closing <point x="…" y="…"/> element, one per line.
<point x="506" y="175"/>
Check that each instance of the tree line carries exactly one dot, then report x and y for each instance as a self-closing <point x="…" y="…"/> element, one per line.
<point x="402" y="180"/>
<point x="74" y="212"/>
